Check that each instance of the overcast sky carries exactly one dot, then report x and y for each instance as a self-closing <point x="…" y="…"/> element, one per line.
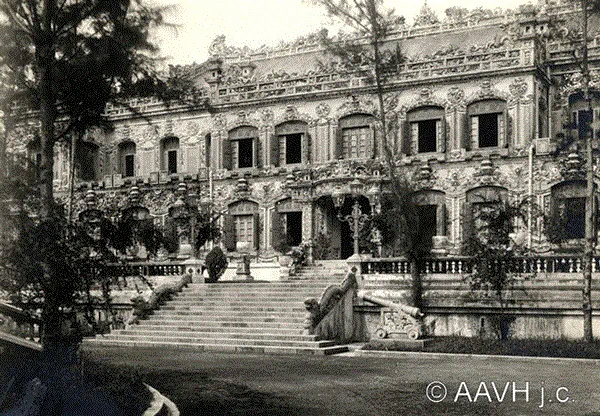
<point x="257" y="22"/>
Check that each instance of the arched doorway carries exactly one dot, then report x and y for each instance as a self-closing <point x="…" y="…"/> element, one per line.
<point x="334" y="237"/>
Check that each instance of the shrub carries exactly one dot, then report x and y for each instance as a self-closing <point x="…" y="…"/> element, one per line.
<point x="216" y="264"/>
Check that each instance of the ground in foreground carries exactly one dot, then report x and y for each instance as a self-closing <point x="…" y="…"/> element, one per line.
<point x="237" y="384"/>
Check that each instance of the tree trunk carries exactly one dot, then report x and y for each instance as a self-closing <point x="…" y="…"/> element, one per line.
<point x="417" y="284"/>
<point x="45" y="59"/>
<point x="588" y="253"/>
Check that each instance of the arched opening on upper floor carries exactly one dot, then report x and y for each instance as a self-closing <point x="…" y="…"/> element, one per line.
<point x="356" y="137"/>
<point x="170" y="155"/>
<point x="289" y="145"/>
<point x="487" y="122"/>
<point x="427" y="129"/>
<point x="87" y="161"/>
<point x="127" y="158"/>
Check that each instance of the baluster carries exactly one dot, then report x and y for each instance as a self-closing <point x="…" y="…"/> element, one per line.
<point x="570" y="265"/>
<point x="453" y="266"/>
<point x="460" y="266"/>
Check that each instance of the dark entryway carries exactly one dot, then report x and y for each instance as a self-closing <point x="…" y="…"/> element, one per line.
<point x="293" y="225"/>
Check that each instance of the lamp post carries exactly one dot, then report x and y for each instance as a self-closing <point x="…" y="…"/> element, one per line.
<point x="356" y="220"/>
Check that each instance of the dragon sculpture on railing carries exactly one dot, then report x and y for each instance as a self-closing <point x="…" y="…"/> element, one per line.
<point x="316" y="310"/>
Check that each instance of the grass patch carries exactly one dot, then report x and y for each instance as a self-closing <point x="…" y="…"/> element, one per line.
<point x="487" y="346"/>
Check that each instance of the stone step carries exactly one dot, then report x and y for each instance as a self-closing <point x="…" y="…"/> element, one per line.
<point x="238" y="348"/>
<point x="176" y="338"/>
<point x="240" y="317"/>
<point x="242" y="333"/>
<point x="271" y="325"/>
<point x="295" y="305"/>
<point x="264" y="329"/>
<point x="199" y="299"/>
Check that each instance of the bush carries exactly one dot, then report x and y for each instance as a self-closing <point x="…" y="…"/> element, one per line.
<point x="216" y="264"/>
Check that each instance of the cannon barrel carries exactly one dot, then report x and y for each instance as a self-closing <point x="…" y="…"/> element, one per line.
<point x="410" y="310"/>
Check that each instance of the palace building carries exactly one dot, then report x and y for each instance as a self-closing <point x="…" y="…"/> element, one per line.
<point x="287" y="133"/>
<point x="285" y="143"/>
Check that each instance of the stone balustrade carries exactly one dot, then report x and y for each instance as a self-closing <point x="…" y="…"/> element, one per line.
<point x="463" y="265"/>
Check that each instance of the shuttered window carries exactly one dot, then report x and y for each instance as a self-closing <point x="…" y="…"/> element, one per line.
<point x="354" y="142"/>
<point x="244" y="228"/>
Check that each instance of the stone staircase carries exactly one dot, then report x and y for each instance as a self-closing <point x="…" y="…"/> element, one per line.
<point x="260" y="317"/>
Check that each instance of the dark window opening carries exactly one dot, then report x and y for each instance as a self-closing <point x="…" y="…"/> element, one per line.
<point x="86" y="162"/>
<point x="293" y="225"/>
<point x="427" y="221"/>
<point x="207" y="150"/>
<point x="584" y="121"/>
<point x="129" y="166"/>
<point x="172" y="161"/>
<point x="488" y="130"/>
<point x="293" y="148"/>
<point x="245" y="159"/>
<point x="574" y="215"/>
<point x="427" y="136"/>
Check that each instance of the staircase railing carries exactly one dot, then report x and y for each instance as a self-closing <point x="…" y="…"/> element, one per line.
<point x="332" y="317"/>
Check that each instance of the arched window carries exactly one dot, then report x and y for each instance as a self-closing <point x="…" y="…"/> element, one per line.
<point x="241" y="226"/>
<point x="288" y="145"/>
<point x="286" y="225"/>
<point x="568" y="209"/>
<point x="427" y="129"/>
<point x="431" y="207"/>
<point x="243" y="142"/>
<point x="34" y="156"/>
<point x="86" y="160"/>
<point x="478" y="201"/>
<point x="582" y="117"/>
<point x="356" y="137"/>
<point x="487" y="121"/>
<point x="127" y="159"/>
<point x="170" y="155"/>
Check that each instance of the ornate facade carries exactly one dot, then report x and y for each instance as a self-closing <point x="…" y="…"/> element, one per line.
<point x="477" y="107"/>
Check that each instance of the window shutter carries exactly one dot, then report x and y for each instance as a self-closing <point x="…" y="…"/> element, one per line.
<point x="146" y="163"/>
<point x="406" y="139"/>
<point x="275" y="150"/>
<point x="256" y="152"/>
<point x="467" y="217"/>
<point x="226" y="153"/>
<point x="443" y="219"/>
<point x="466" y="131"/>
<point x="192" y="159"/>
<point x="441" y="135"/>
<point x="474" y="133"/>
<point x="414" y="138"/>
<point x="276" y="231"/>
<point x="256" y="229"/>
<point x="306" y="148"/>
<point x="372" y="143"/>
<point x="229" y="232"/>
<point x="502" y="128"/>
<point x="338" y="148"/>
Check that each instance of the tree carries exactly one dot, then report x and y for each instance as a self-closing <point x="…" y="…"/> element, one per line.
<point x="493" y="251"/>
<point x="366" y="54"/>
<point x="61" y="62"/>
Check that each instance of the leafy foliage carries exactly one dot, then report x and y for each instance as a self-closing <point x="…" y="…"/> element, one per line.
<point x="216" y="264"/>
<point x="492" y="248"/>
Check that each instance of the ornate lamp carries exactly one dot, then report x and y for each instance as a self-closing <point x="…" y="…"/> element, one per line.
<point x="356" y="187"/>
<point x="338" y="197"/>
<point x="374" y="195"/>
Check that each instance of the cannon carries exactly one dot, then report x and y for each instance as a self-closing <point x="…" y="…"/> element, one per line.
<point x="396" y="318"/>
